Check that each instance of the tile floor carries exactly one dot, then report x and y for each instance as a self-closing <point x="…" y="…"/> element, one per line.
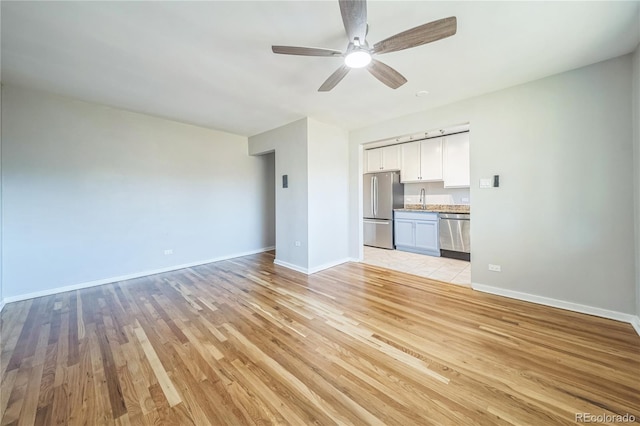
<point x="438" y="268"/>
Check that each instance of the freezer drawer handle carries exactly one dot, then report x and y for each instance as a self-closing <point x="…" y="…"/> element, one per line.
<point x="379" y="222"/>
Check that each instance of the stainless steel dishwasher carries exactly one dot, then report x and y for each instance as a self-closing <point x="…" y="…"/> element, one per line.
<point x="454" y="235"/>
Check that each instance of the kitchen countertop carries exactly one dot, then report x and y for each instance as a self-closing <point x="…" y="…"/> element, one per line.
<point x="436" y="208"/>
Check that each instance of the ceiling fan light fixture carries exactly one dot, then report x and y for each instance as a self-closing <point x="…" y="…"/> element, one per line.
<point x="358" y="53"/>
<point x="357" y="59"/>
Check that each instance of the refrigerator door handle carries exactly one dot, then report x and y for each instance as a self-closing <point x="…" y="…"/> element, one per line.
<point x="373" y="211"/>
<point x="375" y="194"/>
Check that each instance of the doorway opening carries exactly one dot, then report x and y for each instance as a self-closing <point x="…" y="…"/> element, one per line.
<point x="268" y="182"/>
<point x="432" y="193"/>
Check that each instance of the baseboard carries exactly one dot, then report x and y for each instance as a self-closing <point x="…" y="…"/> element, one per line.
<point x="635" y="322"/>
<point x="309" y="271"/>
<point x="434" y="253"/>
<point x="328" y="265"/>
<point x="354" y="259"/>
<point x="110" y="280"/>
<point x="291" y="266"/>
<point x="569" y="306"/>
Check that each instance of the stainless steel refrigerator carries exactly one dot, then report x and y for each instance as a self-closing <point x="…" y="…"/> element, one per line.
<point x="383" y="192"/>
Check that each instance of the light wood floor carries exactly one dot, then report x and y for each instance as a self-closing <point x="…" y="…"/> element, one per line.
<point x="248" y="342"/>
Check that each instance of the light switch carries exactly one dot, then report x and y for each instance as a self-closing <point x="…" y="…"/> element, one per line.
<point x="486" y="182"/>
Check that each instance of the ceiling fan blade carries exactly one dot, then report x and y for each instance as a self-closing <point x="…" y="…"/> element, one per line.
<point x="386" y="74"/>
<point x="334" y="79"/>
<point x="417" y="36"/>
<point x="305" y="51"/>
<point x="354" y="17"/>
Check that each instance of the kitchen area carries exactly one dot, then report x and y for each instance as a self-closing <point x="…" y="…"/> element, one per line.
<point x="416" y="204"/>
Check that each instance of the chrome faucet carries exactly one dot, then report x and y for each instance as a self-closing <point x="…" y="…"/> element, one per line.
<point x="423" y="199"/>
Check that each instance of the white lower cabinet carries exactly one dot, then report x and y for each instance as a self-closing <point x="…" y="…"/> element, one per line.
<point x="417" y="232"/>
<point x="427" y="237"/>
<point x="404" y="232"/>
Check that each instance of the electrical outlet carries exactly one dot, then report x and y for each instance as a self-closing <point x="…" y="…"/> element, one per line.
<point x="168" y="251"/>
<point x="495" y="268"/>
<point x="297" y="243"/>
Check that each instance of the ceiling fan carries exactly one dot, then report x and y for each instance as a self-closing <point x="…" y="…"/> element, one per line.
<point x="358" y="53"/>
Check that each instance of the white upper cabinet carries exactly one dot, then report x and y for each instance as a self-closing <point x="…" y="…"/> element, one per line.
<point x="456" y="161"/>
<point x="431" y="159"/>
<point x="422" y="161"/>
<point x="410" y="170"/>
<point x="373" y="160"/>
<point x="391" y="157"/>
<point x="380" y="159"/>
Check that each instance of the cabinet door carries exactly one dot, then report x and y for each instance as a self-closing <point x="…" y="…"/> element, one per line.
<point x="391" y="157"/>
<point x="373" y="160"/>
<point x="410" y="165"/>
<point x="431" y="159"/>
<point x="427" y="235"/>
<point x="456" y="161"/>
<point x="403" y="233"/>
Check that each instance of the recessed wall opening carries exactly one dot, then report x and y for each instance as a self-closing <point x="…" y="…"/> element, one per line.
<point x="269" y="182"/>
<point x="416" y="204"/>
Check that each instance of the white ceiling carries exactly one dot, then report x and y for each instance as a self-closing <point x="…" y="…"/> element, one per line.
<point x="210" y="63"/>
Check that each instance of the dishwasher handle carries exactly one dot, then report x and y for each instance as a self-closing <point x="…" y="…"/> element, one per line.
<point x="455" y="216"/>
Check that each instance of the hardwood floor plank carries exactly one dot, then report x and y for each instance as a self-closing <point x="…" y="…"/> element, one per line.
<point x="73" y="343"/>
<point x="17" y="395"/>
<point x="267" y="394"/>
<point x="11" y="325"/>
<point x="164" y="381"/>
<point x="28" y="414"/>
<point x="100" y="405"/>
<point x="28" y="335"/>
<point x="8" y="384"/>
<point x="245" y="341"/>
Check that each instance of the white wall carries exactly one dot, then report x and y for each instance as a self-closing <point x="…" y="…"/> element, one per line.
<point x="290" y="145"/>
<point x="435" y="193"/>
<point x="328" y="194"/>
<point x="1" y="184"/>
<point x="92" y="192"/>
<point x="1" y="297"/>
<point x="560" y="223"/>
<point x="636" y="161"/>
<point x="314" y="209"/>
